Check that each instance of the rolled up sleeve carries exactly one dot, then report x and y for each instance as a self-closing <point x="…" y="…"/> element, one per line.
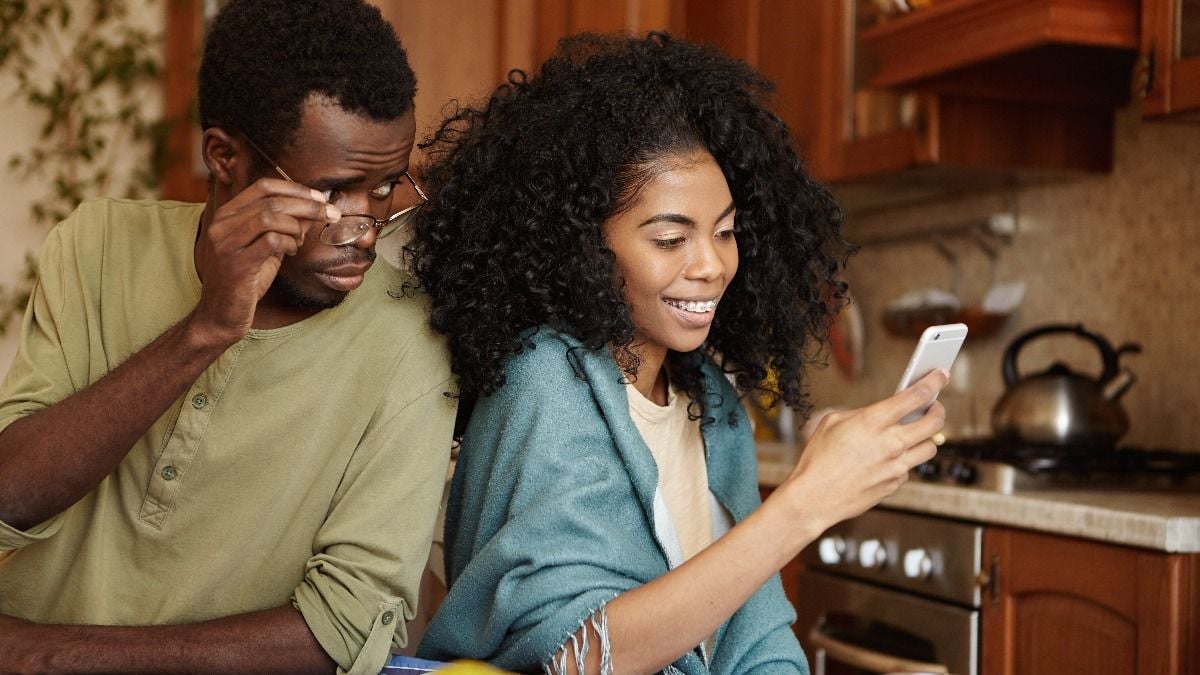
<point x="11" y="538"/>
<point x="356" y="636"/>
<point x="40" y="374"/>
<point x="360" y="588"/>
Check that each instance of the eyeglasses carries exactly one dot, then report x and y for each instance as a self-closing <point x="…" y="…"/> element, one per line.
<point x="353" y="226"/>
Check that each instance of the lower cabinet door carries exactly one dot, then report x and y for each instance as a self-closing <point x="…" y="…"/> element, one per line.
<point x="1056" y="605"/>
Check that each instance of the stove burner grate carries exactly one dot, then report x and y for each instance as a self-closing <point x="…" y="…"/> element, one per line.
<point x="1002" y="465"/>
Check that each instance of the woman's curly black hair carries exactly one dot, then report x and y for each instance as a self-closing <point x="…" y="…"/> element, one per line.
<point x="523" y="183"/>
<point x="263" y="58"/>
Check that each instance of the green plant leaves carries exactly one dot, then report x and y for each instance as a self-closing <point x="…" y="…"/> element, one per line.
<point x="85" y="68"/>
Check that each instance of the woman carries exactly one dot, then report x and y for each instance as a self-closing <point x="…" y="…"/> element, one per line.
<point x="614" y="241"/>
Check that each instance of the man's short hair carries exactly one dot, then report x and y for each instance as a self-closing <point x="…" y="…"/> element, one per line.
<point x="264" y="58"/>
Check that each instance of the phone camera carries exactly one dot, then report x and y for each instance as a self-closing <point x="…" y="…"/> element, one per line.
<point x="937" y="336"/>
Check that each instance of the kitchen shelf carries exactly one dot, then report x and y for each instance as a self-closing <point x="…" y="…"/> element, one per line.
<point x="912" y="323"/>
<point x="913" y="47"/>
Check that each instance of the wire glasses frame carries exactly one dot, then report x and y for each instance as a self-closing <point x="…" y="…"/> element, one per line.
<point x="353" y="226"/>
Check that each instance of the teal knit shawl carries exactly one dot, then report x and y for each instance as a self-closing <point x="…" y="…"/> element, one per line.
<point x="551" y="516"/>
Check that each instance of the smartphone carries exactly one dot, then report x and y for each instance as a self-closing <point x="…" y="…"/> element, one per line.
<point x="937" y="348"/>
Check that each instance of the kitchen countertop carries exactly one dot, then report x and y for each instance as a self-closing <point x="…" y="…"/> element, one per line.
<point x="1163" y="521"/>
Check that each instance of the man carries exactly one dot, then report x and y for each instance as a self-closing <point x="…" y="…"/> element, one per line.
<point x="223" y="441"/>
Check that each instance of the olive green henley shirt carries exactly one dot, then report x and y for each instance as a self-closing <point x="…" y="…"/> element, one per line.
<point x="305" y="465"/>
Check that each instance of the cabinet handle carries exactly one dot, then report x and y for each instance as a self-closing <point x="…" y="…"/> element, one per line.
<point x="988" y="579"/>
<point x="859" y="657"/>
<point x="1143" y="75"/>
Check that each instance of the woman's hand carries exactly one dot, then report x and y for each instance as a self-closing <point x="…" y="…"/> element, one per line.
<point x="857" y="457"/>
<point x="854" y="459"/>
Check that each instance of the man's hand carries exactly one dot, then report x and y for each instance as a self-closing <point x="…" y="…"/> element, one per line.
<point x="52" y="458"/>
<point x="243" y="248"/>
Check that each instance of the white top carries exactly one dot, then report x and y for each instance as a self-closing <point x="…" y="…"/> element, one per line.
<point x="678" y="450"/>
<point x="687" y="516"/>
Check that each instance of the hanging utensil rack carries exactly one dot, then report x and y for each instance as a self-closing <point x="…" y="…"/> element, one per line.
<point x="988" y="234"/>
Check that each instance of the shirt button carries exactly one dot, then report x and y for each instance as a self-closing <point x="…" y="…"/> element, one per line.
<point x="199" y="401"/>
<point x="168" y="473"/>
<point x="387" y="617"/>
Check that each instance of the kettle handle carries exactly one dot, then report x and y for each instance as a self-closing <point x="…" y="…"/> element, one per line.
<point x="1107" y="354"/>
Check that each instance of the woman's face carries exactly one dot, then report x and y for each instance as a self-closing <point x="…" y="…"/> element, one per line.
<point x="676" y="252"/>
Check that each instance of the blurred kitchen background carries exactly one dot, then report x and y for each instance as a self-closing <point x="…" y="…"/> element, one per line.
<point x="1064" y="134"/>
<point x="1005" y="163"/>
<point x="1049" y="131"/>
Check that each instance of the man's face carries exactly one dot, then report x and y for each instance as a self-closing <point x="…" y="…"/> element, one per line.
<point x="358" y="160"/>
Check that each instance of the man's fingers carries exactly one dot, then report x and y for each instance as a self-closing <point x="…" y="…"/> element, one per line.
<point x="300" y="208"/>
<point x="266" y="187"/>
<point x="257" y="204"/>
<point x="275" y="244"/>
<point x="281" y="215"/>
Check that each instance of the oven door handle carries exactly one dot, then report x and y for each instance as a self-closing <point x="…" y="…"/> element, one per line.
<point x="859" y="657"/>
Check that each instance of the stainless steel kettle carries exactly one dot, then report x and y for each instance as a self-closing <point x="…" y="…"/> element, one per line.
<point x="1061" y="407"/>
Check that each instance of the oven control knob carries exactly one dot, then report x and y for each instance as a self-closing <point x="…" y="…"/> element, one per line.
<point x="929" y="470"/>
<point x="871" y="554"/>
<point x="917" y="564"/>
<point x="962" y="473"/>
<point x="831" y="550"/>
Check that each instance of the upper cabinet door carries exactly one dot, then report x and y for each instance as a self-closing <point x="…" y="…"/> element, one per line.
<point x="893" y="109"/>
<point x="844" y="128"/>
<point x="552" y="20"/>
<point x="1170" y="56"/>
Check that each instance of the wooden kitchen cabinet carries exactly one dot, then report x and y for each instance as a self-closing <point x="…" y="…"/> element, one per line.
<point x="913" y="48"/>
<point x="555" y="19"/>
<point x="881" y="130"/>
<point x="886" y="131"/>
<point x="487" y="40"/>
<point x="1169" y="67"/>
<point x="804" y="48"/>
<point x="1059" y="606"/>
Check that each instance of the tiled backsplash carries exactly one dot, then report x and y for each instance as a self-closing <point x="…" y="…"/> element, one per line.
<point x="1118" y="253"/>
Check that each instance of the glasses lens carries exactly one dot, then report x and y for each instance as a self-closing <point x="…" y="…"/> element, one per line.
<point x="405" y="195"/>
<point x="346" y="230"/>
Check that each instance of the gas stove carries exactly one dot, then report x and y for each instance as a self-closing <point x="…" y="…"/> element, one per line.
<point x="1006" y="467"/>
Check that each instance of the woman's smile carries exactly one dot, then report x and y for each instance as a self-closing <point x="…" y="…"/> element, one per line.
<point x="693" y="306"/>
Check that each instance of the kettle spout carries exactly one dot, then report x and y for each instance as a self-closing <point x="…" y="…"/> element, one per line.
<point x="1117" y="386"/>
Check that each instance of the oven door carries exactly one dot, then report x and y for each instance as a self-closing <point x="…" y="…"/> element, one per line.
<point x="850" y="627"/>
